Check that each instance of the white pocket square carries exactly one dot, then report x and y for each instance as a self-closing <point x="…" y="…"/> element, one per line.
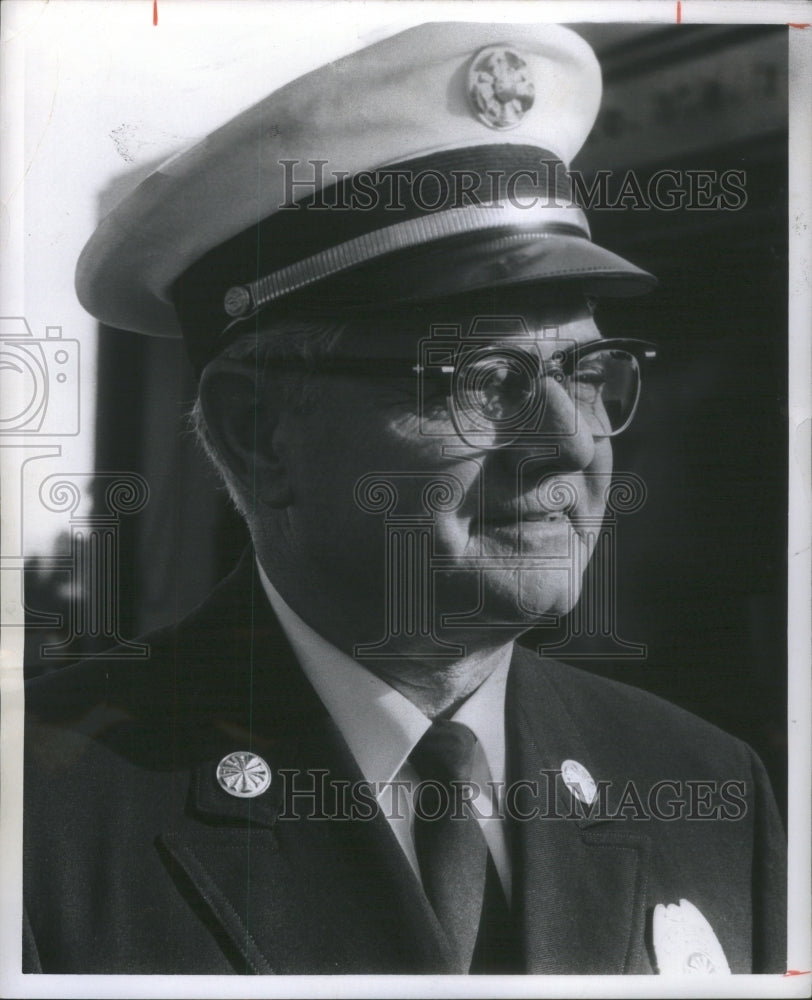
<point x="684" y="942"/>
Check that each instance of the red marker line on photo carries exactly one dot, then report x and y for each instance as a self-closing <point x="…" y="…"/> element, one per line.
<point x="679" y="11"/>
<point x="793" y="24"/>
<point x="796" y="972"/>
<point x="155" y="12"/>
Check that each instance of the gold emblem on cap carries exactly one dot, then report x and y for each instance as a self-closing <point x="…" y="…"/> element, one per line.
<point x="243" y="774"/>
<point x="500" y="87"/>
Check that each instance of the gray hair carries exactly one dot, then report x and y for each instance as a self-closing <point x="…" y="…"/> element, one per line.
<point x="305" y="340"/>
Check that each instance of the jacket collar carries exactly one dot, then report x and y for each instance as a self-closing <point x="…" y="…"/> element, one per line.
<point x="293" y="891"/>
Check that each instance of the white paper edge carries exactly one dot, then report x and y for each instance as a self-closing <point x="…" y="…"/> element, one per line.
<point x="13" y="984"/>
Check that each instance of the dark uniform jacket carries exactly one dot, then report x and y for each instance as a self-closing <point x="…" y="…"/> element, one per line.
<point x="137" y="861"/>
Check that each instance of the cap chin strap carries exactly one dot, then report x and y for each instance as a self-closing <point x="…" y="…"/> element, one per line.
<point x="241" y="301"/>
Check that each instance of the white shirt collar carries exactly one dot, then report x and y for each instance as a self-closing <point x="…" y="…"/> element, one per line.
<point x="380" y="725"/>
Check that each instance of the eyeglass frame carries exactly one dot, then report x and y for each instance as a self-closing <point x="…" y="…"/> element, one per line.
<point x="563" y="362"/>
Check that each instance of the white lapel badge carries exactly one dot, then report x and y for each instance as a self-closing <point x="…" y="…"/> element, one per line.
<point x="684" y="942"/>
<point x="579" y="781"/>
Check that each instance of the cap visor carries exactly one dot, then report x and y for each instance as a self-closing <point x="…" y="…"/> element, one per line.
<point x="458" y="266"/>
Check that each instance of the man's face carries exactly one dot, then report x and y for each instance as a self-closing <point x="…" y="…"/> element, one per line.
<point x="397" y="526"/>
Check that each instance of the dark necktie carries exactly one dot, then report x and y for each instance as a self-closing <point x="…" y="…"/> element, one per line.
<point x="451" y="849"/>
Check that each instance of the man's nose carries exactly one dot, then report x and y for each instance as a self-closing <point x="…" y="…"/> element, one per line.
<point x="561" y="432"/>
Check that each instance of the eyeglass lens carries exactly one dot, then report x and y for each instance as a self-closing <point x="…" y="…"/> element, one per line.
<point x="504" y="394"/>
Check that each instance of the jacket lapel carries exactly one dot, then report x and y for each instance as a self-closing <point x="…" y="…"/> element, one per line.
<point x="291" y="888"/>
<point x="580" y="881"/>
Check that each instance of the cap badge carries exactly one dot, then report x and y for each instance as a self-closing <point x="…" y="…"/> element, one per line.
<point x="684" y="942"/>
<point x="243" y="774"/>
<point x="579" y="781"/>
<point x="500" y="87"/>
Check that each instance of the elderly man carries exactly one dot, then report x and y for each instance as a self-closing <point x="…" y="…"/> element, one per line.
<point x="341" y="762"/>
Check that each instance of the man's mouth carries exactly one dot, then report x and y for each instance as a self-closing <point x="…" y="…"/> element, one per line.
<point x="545" y="515"/>
<point x="516" y="519"/>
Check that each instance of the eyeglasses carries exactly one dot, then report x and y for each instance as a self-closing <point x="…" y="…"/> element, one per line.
<point x="500" y="393"/>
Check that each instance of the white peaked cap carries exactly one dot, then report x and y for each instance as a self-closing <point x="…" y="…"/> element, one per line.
<point x="429" y="94"/>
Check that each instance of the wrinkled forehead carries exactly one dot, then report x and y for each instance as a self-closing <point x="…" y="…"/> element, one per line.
<point x="566" y="315"/>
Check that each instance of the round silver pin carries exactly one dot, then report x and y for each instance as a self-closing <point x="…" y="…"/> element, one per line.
<point x="237" y="300"/>
<point x="579" y="781"/>
<point x="500" y="87"/>
<point x="243" y="774"/>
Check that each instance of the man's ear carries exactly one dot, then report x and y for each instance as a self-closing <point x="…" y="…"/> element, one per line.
<point x="243" y="426"/>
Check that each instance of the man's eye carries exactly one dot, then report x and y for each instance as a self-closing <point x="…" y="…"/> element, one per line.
<point x="593" y="375"/>
<point x="588" y="382"/>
